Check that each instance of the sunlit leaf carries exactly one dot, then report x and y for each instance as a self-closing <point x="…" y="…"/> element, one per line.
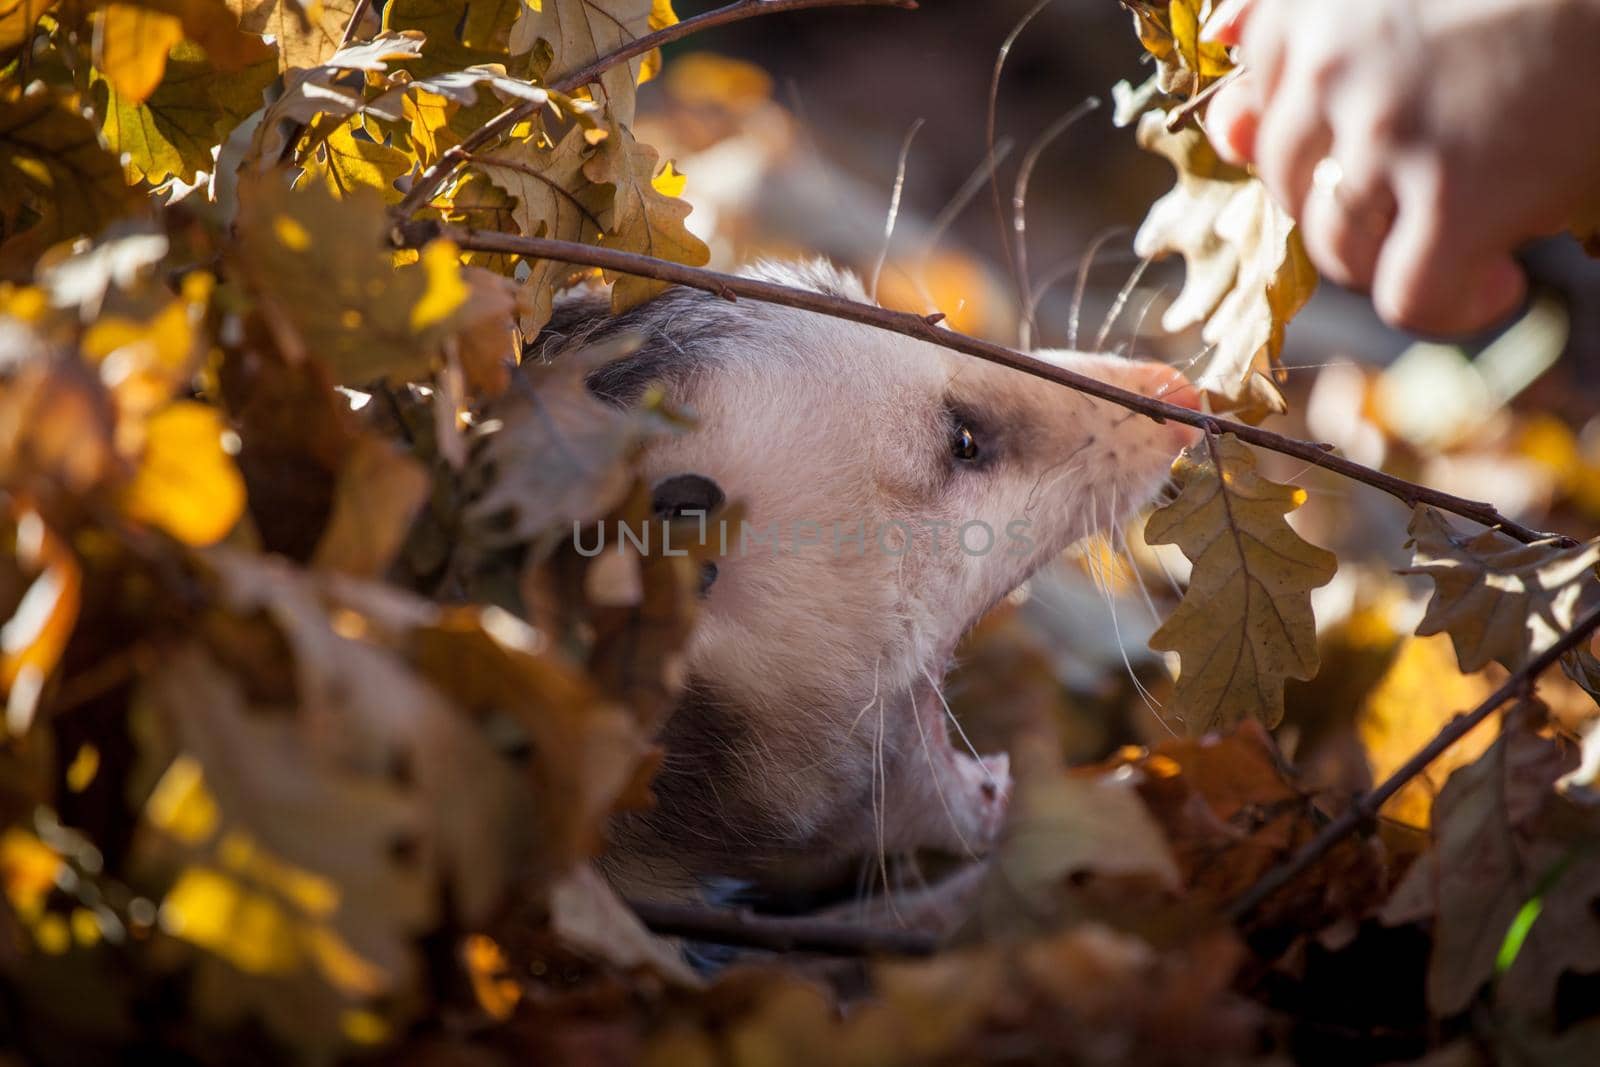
<point x="172" y="133"/>
<point x="1247" y="273"/>
<point x="306" y="36"/>
<point x="638" y="215"/>
<point x="576" y="33"/>
<point x="131" y="45"/>
<point x="1245" y="623"/>
<point x="186" y="482"/>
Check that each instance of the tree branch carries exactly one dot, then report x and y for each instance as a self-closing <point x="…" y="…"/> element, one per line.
<point x="430" y="180"/>
<point x="925" y="328"/>
<point x="1366" y="809"/>
<point x="736" y="926"/>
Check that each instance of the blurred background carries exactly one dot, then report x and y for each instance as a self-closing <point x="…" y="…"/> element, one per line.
<point x="791" y="131"/>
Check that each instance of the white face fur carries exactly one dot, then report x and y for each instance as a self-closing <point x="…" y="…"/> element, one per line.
<point x="911" y="489"/>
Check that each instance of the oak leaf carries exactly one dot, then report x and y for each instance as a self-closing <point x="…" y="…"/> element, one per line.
<point x="322" y="271"/>
<point x="577" y="31"/>
<point x="1506" y="847"/>
<point x="306" y="35"/>
<point x="344" y="163"/>
<point x="171" y="133"/>
<point x="553" y="199"/>
<point x="1247" y="273"/>
<point x="130" y="48"/>
<point x="1245" y="623"/>
<point x="640" y="212"/>
<point x="1170" y="32"/>
<point x="1500" y="600"/>
<point x="56" y="181"/>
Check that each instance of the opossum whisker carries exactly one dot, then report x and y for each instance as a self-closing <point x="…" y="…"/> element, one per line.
<point x="1117" y="304"/>
<point x="960" y="730"/>
<point x="952" y="210"/>
<point x="894" y="209"/>
<point x="1129" y="344"/>
<point x="1019" y="204"/>
<point x="1144" y="590"/>
<point x="1082" y="287"/>
<point x="989" y="141"/>
<point x="1103" y="579"/>
<point x="938" y="782"/>
<point x="1062" y="269"/>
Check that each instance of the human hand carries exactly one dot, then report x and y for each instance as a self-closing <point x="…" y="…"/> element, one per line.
<point x="1418" y="142"/>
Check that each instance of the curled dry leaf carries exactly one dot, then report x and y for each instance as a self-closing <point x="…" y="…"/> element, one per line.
<point x="1500" y="600"/>
<point x="1247" y="273"/>
<point x="1245" y="623"/>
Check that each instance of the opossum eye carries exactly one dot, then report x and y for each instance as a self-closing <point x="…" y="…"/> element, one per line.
<point x="963" y="442"/>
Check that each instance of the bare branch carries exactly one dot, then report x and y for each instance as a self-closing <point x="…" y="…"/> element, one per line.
<point x="924" y="328"/>
<point x="429" y="181"/>
<point x="1364" y="811"/>
<point x="736" y="926"/>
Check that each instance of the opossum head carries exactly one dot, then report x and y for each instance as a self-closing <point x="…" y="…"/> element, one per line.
<point x="893" y="491"/>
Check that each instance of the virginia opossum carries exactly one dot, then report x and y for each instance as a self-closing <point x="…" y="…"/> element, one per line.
<point x="910" y="488"/>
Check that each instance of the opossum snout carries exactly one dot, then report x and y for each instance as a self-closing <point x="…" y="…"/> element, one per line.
<point x="1161" y="382"/>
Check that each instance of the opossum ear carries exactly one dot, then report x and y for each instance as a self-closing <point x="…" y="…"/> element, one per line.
<point x="683" y="493"/>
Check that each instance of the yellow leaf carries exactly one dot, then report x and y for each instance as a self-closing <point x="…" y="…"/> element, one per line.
<point x="344" y="163"/>
<point x="130" y="48"/>
<point x="181" y="805"/>
<point x="1499" y="600"/>
<point x="28" y="870"/>
<point x="1245" y="623"/>
<point x="186" y="483"/>
<point x="446" y="291"/>
<point x="1419" y="693"/>
<point x="172" y="132"/>
<point x="669" y="182"/>
<point x="704" y="79"/>
<point x="18" y="19"/>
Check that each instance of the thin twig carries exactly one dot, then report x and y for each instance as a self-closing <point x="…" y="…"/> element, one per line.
<point x="925" y="328"/>
<point x="354" y="24"/>
<point x="1180" y="114"/>
<point x="736" y="926"/>
<point x="1364" y="811"/>
<point x="429" y="181"/>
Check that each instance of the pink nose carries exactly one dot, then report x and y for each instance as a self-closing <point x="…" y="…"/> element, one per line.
<point x="1161" y="382"/>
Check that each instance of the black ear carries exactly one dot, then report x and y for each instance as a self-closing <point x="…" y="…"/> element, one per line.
<point x="681" y="493"/>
